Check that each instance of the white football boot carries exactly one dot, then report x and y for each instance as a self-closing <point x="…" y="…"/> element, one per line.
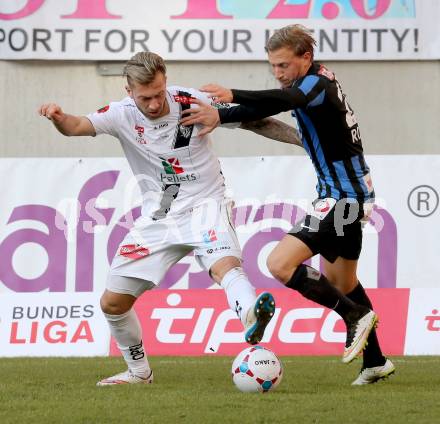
<point x="371" y="375"/>
<point x="258" y="317"/>
<point x="126" y="377"/>
<point x="357" y="335"/>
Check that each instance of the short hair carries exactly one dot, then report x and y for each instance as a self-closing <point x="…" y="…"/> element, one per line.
<point x="296" y="37"/>
<point x="143" y="67"/>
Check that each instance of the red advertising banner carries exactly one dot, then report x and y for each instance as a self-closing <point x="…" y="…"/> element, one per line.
<point x="197" y="322"/>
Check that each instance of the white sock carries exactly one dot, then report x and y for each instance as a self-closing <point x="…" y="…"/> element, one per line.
<point x="239" y="291"/>
<point x="126" y="330"/>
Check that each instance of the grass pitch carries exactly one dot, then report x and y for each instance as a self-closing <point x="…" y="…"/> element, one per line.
<point x="200" y="390"/>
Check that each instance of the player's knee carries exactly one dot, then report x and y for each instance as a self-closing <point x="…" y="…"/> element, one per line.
<point x="279" y="270"/>
<point x="215" y="275"/>
<point x="112" y="307"/>
<point x="220" y="268"/>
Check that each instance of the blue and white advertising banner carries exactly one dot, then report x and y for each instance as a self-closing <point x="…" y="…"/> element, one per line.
<point x="113" y="30"/>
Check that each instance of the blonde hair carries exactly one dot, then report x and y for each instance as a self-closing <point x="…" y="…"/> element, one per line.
<point x="143" y="67"/>
<point x="296" y="37"/>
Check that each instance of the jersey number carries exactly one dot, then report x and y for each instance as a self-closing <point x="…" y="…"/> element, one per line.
<point x="350" y="118"/>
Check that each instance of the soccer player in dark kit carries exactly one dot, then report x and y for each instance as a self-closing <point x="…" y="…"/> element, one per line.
<point x="330" y="135"/>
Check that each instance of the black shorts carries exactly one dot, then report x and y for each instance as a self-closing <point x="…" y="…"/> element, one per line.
<point x="333" y="229"/>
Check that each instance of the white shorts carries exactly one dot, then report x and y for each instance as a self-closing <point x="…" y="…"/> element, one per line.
<point x="152" y="247"/>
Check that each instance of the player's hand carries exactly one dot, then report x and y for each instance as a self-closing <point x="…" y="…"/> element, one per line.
<point x="204" y="114"/>
<point x="218" y="93"/>
<point x="52" y="112"/>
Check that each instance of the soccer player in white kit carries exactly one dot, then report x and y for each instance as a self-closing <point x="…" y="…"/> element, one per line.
<point x="184" y="207"/>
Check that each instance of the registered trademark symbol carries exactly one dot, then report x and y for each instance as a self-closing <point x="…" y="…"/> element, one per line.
<point x="423" y="201"/>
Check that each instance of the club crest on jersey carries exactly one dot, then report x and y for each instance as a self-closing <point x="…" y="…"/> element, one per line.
<point x="140" y="134"/>
<point x="326" y="73"/>
<point x="185" y="131"/>
<point x="103" y="109"/>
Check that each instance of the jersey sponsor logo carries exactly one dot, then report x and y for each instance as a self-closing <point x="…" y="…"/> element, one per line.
<point x="160" y="126"/>
<point x="326" y="73"/>
<point x="186" y="100"/>
<point x="140" y="134"/>
<point x="172" y="166"/>
<point x="209" y="236"/>
<point x="133" y="251"/>
<point x="103" y="109"/>
<point x="217" y="249"/>
<point x="176" y="179"/>
<point x="173" y="172"/>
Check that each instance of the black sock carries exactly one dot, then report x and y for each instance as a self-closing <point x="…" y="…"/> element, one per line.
<point x="314" y="286"/>
<point x="372" y="354"/>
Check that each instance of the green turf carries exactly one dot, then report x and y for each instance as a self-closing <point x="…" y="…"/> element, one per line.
<point x="200" y="390"/>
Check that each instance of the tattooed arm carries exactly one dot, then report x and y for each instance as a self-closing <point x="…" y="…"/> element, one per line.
<point x="274" y="129"/>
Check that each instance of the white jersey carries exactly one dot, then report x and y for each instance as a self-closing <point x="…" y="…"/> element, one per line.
<point x="176" y="169"/>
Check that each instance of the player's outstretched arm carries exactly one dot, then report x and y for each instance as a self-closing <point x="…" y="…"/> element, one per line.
<point x="274" y="129"/>
<point x="218" y="93"/>
<point x="204" y="114"/>
<point x="69" y="125"/>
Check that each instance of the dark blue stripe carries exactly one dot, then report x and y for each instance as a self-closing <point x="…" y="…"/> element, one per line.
<point x="319" y="153"/>
<point x="364" y="165"/>
<point x="319" y="186"/>
<point x="341" y="172"/>
<point x="360" y="175"/>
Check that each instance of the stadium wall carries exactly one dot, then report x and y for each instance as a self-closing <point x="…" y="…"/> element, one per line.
<point x="394" y="101"/>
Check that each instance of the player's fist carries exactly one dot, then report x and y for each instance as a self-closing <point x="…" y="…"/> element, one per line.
<point x="218" y="93"/>
<point x="51" y="111"/>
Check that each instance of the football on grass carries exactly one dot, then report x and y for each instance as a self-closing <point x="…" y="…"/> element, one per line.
<point x="256" y="369"/>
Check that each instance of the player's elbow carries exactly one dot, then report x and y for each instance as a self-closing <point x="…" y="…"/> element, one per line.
<point x="64" y="131"/>
<point x="67" y="133"/>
